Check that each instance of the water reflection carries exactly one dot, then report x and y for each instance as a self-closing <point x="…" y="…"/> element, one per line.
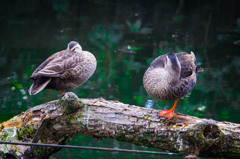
<point x="149" y="104"/>
<point x="125" y="37"/>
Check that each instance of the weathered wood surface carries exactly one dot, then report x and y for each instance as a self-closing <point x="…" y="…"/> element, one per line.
<point x="57" y="121"/>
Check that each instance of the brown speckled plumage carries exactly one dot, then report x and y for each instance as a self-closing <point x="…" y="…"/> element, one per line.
<point x="171" y="76"/>
<point x="64" y="70"/>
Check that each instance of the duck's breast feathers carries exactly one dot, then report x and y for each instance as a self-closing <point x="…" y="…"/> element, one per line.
<point x="187" y="62"/>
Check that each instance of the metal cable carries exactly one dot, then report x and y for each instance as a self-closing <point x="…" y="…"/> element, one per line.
<point x="89" y="148"/>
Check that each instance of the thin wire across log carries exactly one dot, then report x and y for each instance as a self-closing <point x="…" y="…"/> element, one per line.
<point x="91" y="148"/>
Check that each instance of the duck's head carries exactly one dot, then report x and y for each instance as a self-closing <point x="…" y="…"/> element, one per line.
<point x="74" y="46"/>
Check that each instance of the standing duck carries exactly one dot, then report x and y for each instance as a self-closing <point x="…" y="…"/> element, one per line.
<point x="64" y="70"/>
<point x="170" y="77"/>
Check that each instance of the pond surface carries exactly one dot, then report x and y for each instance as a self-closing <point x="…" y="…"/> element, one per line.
<point x="125" y="37"/>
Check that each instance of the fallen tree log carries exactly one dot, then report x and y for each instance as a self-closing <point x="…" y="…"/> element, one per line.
<point x="57" y="121"/>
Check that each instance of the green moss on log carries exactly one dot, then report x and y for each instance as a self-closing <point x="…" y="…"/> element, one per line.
<point x="26" y="132"/>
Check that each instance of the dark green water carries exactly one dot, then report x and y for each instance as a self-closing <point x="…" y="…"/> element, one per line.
<point x="125" y="37"/>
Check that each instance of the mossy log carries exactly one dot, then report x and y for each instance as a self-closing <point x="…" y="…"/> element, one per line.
<point x="57" y="121"/>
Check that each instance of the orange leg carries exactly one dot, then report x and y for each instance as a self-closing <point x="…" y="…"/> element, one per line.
<point x="62" y="92"/>
<point x="169" y="113"/>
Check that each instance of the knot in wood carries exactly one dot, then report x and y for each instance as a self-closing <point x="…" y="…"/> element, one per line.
<point x="209" y="129"/>
<point x="199" y="137"/>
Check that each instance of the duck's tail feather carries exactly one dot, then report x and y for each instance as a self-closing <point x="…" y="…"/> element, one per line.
<point x="38" y="85"/>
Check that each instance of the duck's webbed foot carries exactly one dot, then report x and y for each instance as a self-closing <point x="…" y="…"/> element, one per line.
<point x="168" y="113"/>
<point x="62" y="92"/>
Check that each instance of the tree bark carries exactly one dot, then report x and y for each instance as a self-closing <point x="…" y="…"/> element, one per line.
<point x="57" y="121"/>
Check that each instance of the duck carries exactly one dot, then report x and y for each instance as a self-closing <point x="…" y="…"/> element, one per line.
<point x="64" y="70"/>
<point x="170" y="77"/>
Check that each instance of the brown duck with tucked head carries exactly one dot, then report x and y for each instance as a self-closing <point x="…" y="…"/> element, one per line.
<point x="64" y="70"/>
<point x="170" y="77"/>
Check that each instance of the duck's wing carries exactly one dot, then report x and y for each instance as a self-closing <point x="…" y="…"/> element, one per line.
<point x="73" y="66"/>
<point x="52" y="67"/>
<point x="188" y="63"/>
<point x="159" y="61"/>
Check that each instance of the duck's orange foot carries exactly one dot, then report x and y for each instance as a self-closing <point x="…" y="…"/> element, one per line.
<point x="62" y="92"/>
<point x="167" y="113"/>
